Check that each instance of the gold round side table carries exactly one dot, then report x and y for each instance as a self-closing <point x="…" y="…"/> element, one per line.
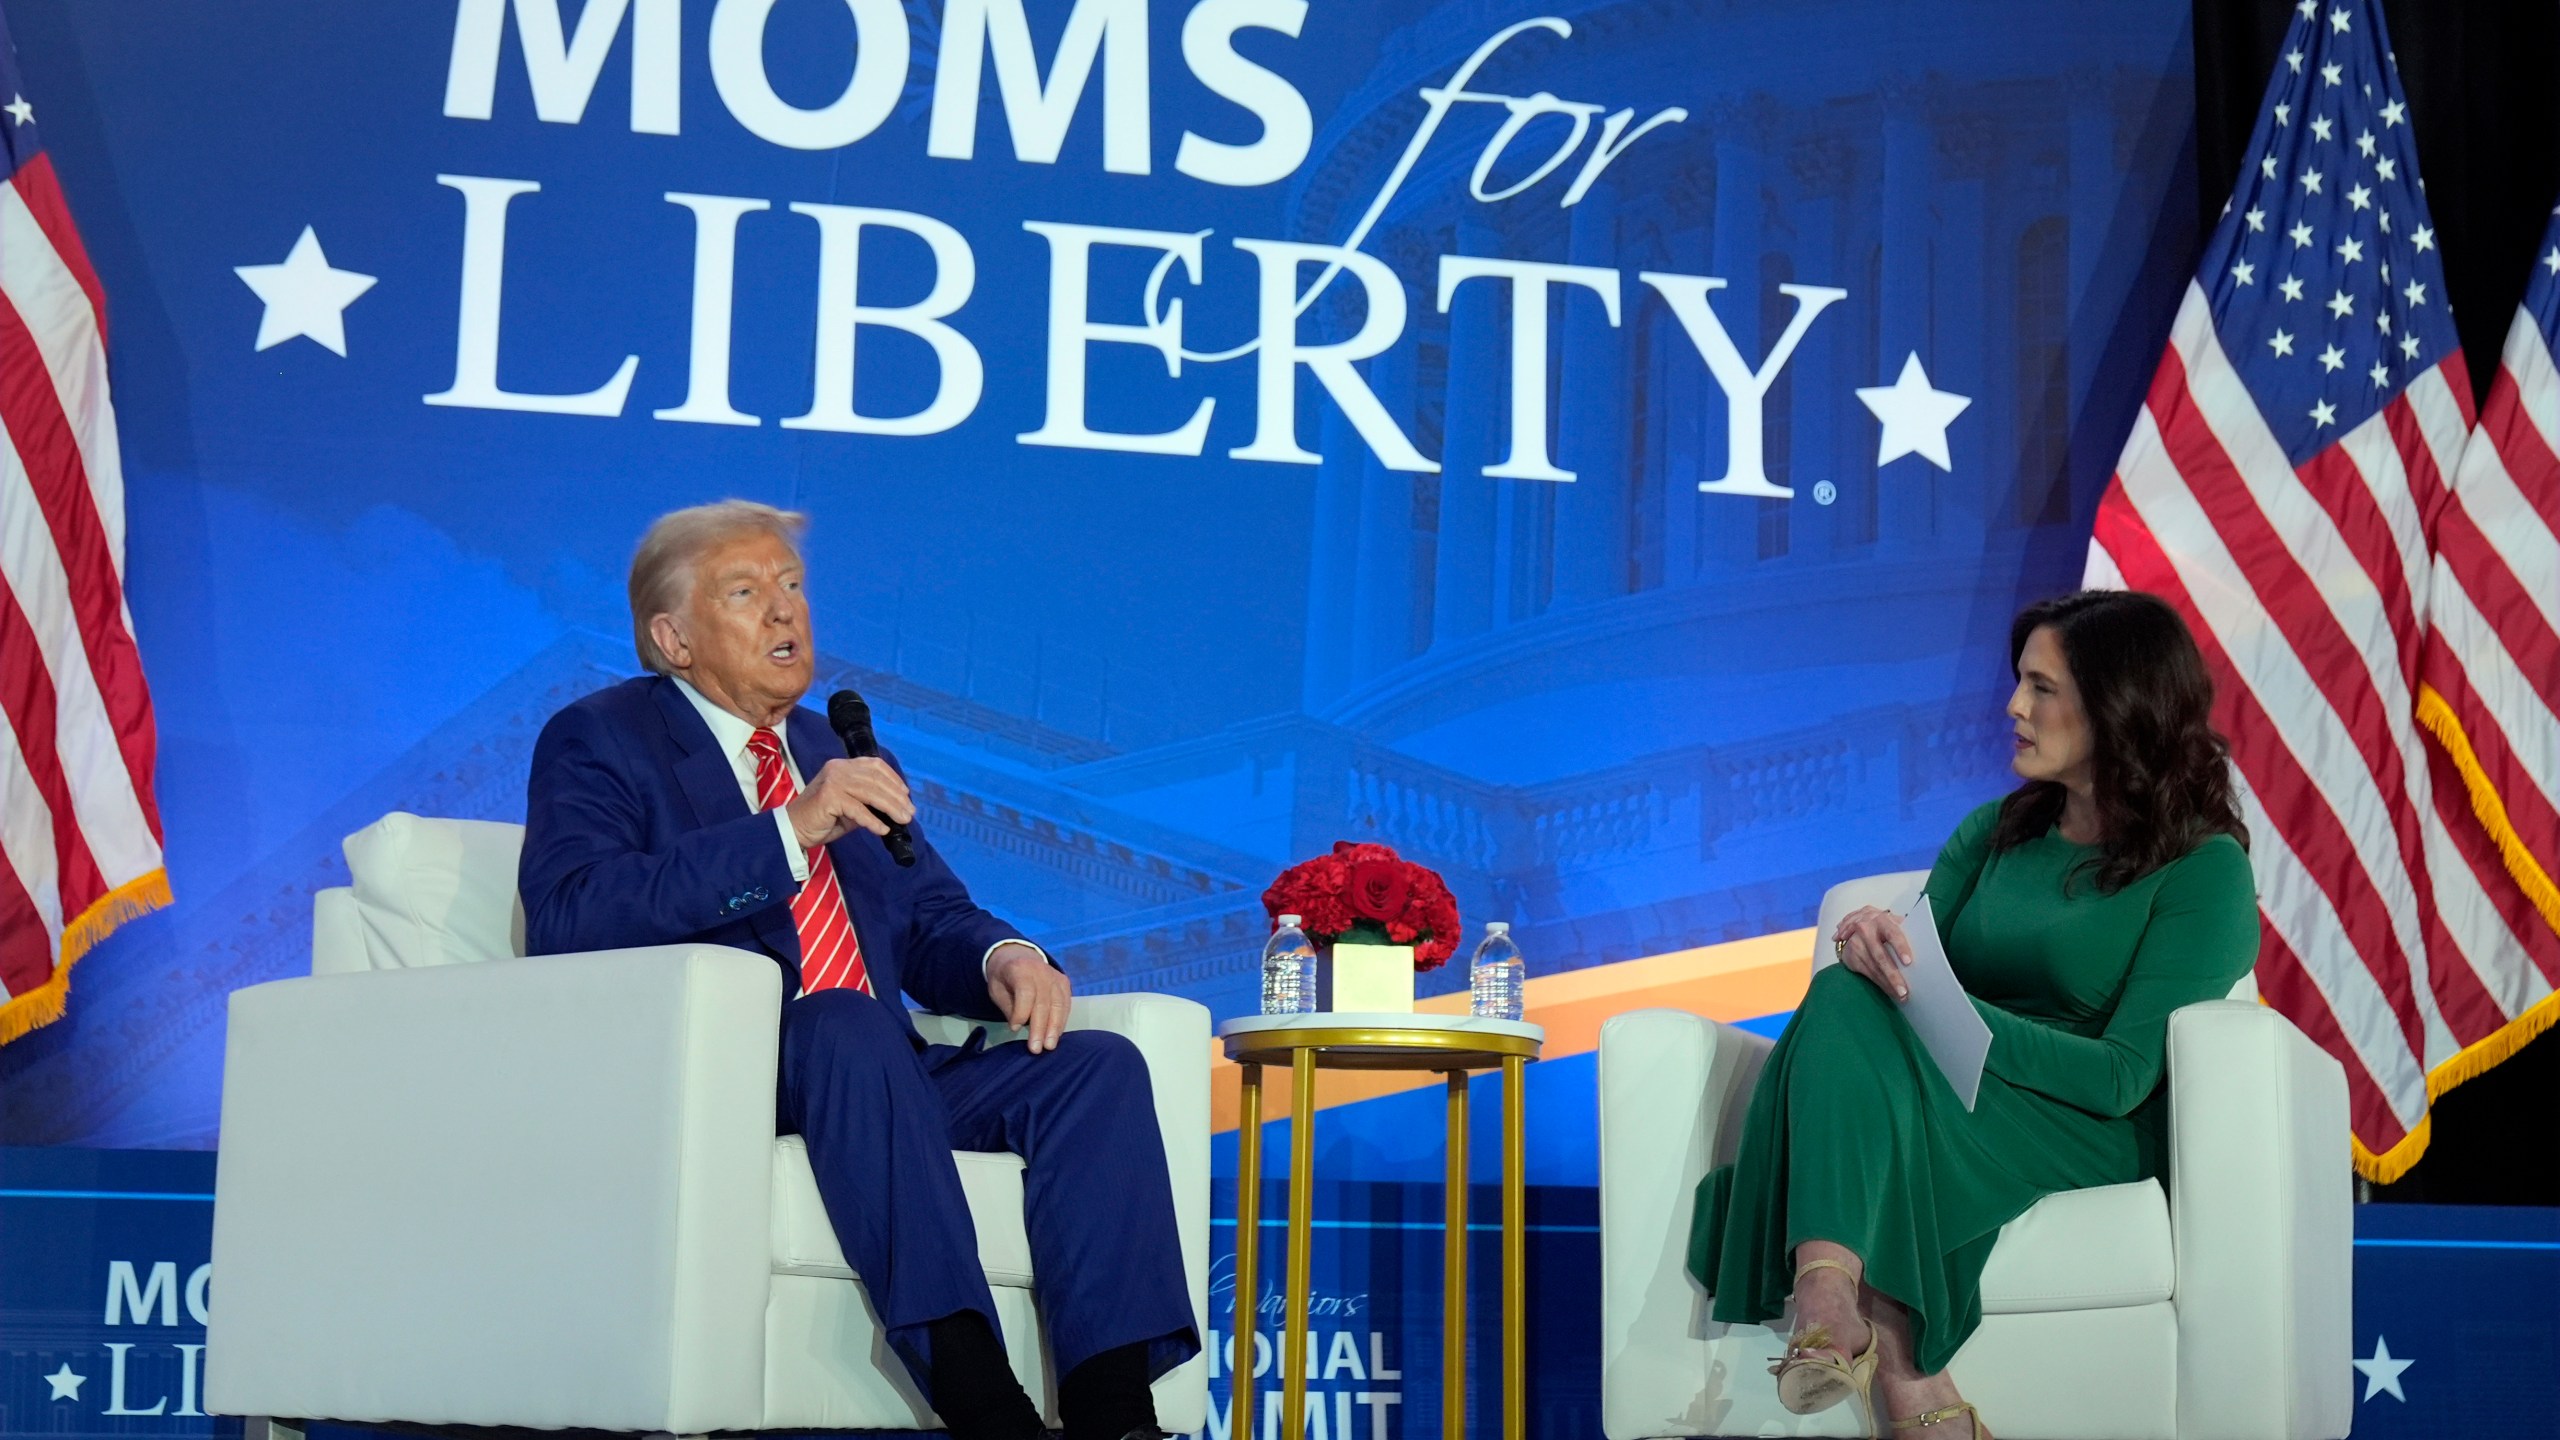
<point x="1455" y="1045"/>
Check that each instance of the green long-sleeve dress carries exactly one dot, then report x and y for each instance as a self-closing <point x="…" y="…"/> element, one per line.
<point x="1853" y="1136"/>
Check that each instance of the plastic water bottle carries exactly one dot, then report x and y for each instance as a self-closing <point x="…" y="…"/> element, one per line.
<point x="1288" y="971"/>
<point x="1498" y="975"/>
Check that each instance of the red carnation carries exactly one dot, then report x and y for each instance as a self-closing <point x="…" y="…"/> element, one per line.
<point x="1366" y="892"/>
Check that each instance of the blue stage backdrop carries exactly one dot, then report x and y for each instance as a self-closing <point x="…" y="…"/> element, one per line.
<point x="1595" y="447"/>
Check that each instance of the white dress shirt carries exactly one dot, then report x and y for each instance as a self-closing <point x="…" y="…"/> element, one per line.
<point x="732" y="733"/>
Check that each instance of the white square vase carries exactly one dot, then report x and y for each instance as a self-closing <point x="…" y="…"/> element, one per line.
<point x="1369" y="980"/>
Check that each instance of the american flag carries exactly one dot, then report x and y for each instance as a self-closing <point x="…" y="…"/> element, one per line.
<point x="78" y="823"/>
<point x="2303" y="426"/>
<point x="2489" y="684"/>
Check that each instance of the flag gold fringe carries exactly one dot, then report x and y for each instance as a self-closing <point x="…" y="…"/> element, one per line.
<point x="43" y="1005"/>
<point x="2470" y="1063"/>
<point x="2484" y="1055"/>
<point x="2446" y="726"/>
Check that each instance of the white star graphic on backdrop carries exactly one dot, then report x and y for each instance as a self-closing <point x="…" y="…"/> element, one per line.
<point x="2310" y="182"/>
<point x="66" y="1385"/>
<point x="2351" y="251"/>
<point x="2301" y="233"/>
<point x="2323" y="414"/>
<point x="19" y="110"/>
<point x="2333" y="358"/>
<point x="2424" y="237"/>
<point x="2409" y="346"/>
<point x="2552" y="260"/>
<point x="2291" y="287"/>
<point x="2257" y="219"/>
<point x="2381" y="374"/>
<point x="2245" y="273"/>
<point x="2319" y="127"/>
<point x="2360" y="197"/>
<point x="2338" y="21"/>
<point x="2416" y="293"/>
<point x="2294" y="59"/>
<point x="304" y="296"/>
<point x="2392" y="113"/>
<point x="2281" y="343"/>
<point x="1915" y="416"/>
<point x="2381" y="1372"/>
<point x="2334" y="74"/>
<point x="2341" y="305"/>
<point x="2388" y="169"/>
<point x="2364" y="144"/>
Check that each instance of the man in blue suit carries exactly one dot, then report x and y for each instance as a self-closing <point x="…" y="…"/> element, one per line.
<point x="700" y="803"/>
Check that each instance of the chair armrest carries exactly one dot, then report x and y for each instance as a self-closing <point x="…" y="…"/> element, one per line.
<point x="523" y="1193"/>
<point x="1173" y="1035"/>
<point x="1673" y="1088"/>
<point x="2261" y="1213"/>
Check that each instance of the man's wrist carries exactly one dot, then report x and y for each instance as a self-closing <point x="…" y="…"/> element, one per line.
<point x="987" y="964"/>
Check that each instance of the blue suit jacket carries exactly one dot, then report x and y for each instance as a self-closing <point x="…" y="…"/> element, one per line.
<point x="636" y="833"/>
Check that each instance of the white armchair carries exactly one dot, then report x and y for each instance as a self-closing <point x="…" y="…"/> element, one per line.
<point x="461" y="1187"/>
<point x="2214" y="1309"/>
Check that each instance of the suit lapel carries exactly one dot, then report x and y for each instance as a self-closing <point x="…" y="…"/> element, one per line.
<point x="710" y="785"/>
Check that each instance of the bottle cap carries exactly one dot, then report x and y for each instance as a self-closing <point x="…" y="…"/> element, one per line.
<point x="1289" y="922"/>
<point x="1497" y="927"/>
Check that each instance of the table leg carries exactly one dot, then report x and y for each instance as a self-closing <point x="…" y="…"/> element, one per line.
<point x="1246" y="1326"/>
<point x="1515" y="1253"/>
<point x="1302" y="1189"/>
<point x="1453" y="1262"/>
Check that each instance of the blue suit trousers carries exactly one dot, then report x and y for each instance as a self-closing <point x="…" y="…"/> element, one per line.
<point x="881" y="1116"/>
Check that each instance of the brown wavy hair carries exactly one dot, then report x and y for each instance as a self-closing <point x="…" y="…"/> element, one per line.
<point x="2162" y="773"/>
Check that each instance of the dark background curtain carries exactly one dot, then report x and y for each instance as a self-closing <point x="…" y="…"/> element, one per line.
<point x="2483" y="79"/>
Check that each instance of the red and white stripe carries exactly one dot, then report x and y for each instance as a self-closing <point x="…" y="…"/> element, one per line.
<point x="2309" y="588"/>
<point x="2493" y="641"/>
<point x="78" y="822"/>
<point x="830" y="953"/>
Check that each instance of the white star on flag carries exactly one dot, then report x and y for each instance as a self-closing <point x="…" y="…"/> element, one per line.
<point x="2381" y="1372"/>
<point x="65" y="1382"/>
<point x="1915" y="416"/>
<point x="19" y="110"/>
<point x="304" y="295"/>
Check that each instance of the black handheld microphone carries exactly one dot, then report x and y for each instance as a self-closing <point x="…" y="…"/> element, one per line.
<point x="852" y="721"/>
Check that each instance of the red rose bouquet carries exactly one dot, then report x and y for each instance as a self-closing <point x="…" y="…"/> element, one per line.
<point x="1367" y="894"/>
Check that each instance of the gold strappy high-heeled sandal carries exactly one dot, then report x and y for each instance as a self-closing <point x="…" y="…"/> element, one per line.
<point x="1809" y="1379"/>
<point x="1927" y="1418"/>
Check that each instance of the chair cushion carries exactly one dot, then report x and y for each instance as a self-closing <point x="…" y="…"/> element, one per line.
<point x="804" y="1243"/>
<point x="2092" y="1249"/>
<point x="436" y="892"/>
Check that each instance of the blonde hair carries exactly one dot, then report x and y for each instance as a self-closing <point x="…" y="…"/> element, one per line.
<point x="662" y="568"/>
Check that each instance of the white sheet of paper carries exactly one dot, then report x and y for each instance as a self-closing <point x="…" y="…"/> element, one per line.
<point x="1938" y="1009"/>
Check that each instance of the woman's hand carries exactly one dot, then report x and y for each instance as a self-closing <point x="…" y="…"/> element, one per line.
<point x="1870" y="941"/>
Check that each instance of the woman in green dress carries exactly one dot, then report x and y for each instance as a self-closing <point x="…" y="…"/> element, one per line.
<point x="2108" y="890"/>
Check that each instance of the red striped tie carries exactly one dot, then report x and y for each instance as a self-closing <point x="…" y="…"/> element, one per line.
<point x="830" y="956"/>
